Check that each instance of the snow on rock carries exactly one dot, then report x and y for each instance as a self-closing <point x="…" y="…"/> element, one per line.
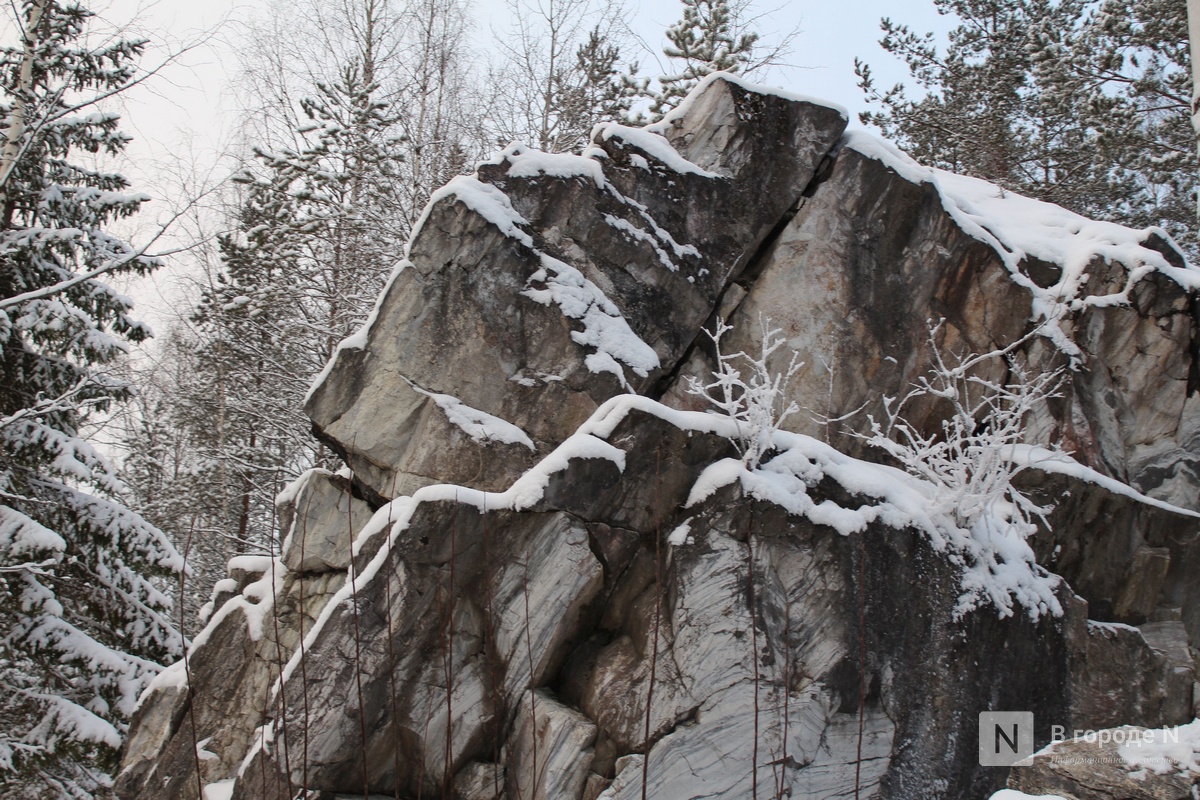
<point x="485" y="200"/>
<point x="604" y="328"/>
<point x="481" y="426"/>
<point x="1017" y="227"/>
<point x="685" y="106"/>
<point x="526" y="163"/>
<point x="220" y="790"/>
<point x="1165" y="750"/>
<point x="1060" y="463"/>
<point x="641" y="235"/>
<point x="681" y="535"/>
<point x="651" y="143"/>
<point x="1128" y="762"/>
<point x="256" y="600"/>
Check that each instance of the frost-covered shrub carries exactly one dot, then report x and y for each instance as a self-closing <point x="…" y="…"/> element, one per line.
<point x="757" y="399"/>
<point x="971" y="460"/>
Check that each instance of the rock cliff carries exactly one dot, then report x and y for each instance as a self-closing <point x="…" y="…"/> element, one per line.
<point x="550" y="571"/>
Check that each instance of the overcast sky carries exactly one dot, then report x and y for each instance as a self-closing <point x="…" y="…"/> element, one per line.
<point x="180" y="120"/>
<point x="185" y="109"/>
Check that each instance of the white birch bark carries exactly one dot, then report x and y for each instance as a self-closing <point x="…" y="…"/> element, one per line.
<point x="14" y="130"/>
<point x="1193" y="10"/>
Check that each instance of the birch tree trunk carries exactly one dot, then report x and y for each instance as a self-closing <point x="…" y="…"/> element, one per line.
<point x="14" y="130"/>
<point x="1193" y="10"/>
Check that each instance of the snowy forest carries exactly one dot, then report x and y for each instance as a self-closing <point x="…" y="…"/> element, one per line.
<point x="135" y="464"/>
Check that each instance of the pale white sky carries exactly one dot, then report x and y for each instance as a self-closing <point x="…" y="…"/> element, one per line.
<point x="180" y="120"/>
<point x="185" y="110"/>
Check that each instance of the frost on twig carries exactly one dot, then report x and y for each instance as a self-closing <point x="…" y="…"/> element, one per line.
<point x="756" y="400"/>
<point x="970" y="460"/>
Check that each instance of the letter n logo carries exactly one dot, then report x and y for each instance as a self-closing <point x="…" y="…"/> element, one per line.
<point x="1005" y="737"/>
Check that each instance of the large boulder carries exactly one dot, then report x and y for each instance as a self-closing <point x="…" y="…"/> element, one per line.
<point x="556" y="281"/>
<point x="550" y="572"/>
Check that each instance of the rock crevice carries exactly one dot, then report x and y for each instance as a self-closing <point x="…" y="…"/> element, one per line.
<point x="548" y="573"/>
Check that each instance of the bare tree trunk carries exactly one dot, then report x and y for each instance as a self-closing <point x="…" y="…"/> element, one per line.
<point x="1193" y="10"/>
<point x="14" y="133"/>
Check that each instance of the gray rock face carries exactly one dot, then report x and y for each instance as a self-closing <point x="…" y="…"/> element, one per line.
<point x="320" y="522"/>
<point x="1094" y="768"/>
<point x="579" y="592"/>
<point x="510" y="271"/>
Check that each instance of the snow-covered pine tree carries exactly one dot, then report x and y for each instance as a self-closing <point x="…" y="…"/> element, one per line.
<point x="708" y="39"/>
<point x="325" y="205"/>
<point x="1084" y="103"/>
<point x="597" y="90"/>
<point x="972" y="118"/>
<point x="319" y="228"/>
<point x="336" y="199"/>
<point x="84" y="624"/>
<point x="1127" y="67"/>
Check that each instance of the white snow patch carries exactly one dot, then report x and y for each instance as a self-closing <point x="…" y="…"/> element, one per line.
<point x="999" y="566"/>
<point x="263" y="738"/>
<point x="249" y="563"/>
<point x="604" y="328"/>
<point x="221" y="790"/>
<point x="681" y="535"/>
<point x="292" y="491"/>
<point x="1114" y="626"/>
<point x="172" y="677"/>
<point x="1013" y="794"/>
<point x="1165" y="750"/>
<point x="1062" y="464"/>
<point x="653" y="144"/>
<point x="255" y="601"/>
<point x="659" y="235"/>
<point x="485" y="200"/>
<point x="528" y="163"/>
<point x="481" y="426"/>
<point x="202" y="751"/>
<point x="22" y="538"/>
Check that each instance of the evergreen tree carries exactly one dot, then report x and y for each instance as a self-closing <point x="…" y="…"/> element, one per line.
<point x="318" y="230"/>
<point x="596" y="90"/>
<point x="1127" y="68"/>
<point x="329" y="210"/>
<point x="708" y="39"/>
<point x="323" y="208"/>
<point x="1080" y="103"/>
<point x="558" y="77"/>
<point x="83" y="622"/>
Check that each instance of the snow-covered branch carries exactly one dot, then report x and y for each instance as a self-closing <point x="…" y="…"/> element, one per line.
<point x="757" y="401"/>
<point x="970" y="459"/>
<point x="117" y="264"/>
